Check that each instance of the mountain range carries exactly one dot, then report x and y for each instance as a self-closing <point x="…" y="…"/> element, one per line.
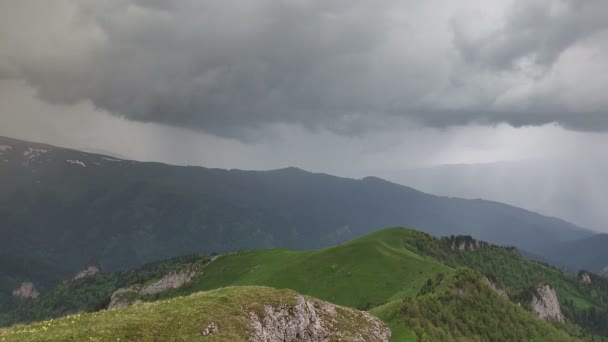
<point x="62" y="209"/>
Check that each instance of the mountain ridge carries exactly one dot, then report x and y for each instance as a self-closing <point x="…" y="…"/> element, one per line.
<point x="67" y="207"/>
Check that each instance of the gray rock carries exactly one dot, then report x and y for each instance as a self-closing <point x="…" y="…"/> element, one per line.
<point x="585" y="278"/>
<point x="545" y="304"/>
<point x="310" y="321"/>
<point x="172" y="280"/>
<point x="26" y="290"/>
<point x="120" y="299"/>
<point x="89" y="271"/>
<point x="212" y="328"/>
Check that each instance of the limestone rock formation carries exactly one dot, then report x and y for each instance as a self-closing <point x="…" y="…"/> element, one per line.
<point x="494" y="285"/>
<point x="585" y="278"/>
<point x="26" y="290"/>
<point x="212" y="328"/>
<point x="124" y="297"/>
<point x="172" y="280"/>
<point x="120" y="298"/>
<point x="310" y="321"/>
<point x="465" y="243"/>
<point x="89" y="271"/>
<point x="545" y="304"/>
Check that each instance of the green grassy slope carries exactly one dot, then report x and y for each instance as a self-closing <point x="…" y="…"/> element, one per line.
<point x="183" y="319"/>
<point x="88" y="294"/>
<point x="395" y="263"/>
<point x="381" y="269"/>
<point x="363" y="273"/>
<point x="392" y="314"/>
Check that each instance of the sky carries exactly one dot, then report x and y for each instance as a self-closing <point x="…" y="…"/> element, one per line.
<point x="392" y="88"/>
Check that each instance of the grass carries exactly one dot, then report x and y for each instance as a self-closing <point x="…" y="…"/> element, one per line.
<point x="180" y="319"/>
<point x="362" y="274"/>
<point x="378" y="271"/>
<point x="390" y="313"/>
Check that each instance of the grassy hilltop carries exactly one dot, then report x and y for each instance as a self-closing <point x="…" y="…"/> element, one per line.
<point x="186" y="319"/>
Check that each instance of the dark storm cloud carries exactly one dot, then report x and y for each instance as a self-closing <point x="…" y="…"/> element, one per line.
<point x="225" y="67"/>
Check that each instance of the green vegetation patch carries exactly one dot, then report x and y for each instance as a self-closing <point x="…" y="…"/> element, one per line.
<point x="468" y="309"/>
<point x="186" y="319"/>
<point x="361" y="274"/>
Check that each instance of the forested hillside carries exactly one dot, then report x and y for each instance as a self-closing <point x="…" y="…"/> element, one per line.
<point x="63" y="209"/>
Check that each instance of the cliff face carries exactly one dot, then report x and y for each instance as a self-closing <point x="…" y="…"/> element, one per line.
<point x="123" y="297"/>
<point x="26" y="290"/>
<point x="311" y="320"/>
<point x="172" y="280"/>
<point x="545" y="304"/>
<point x="89" y="271"/>
<point x="465" y="243"/>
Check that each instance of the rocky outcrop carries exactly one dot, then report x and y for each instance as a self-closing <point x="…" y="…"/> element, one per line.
<point x="89" y="271"/>
<point x="494" y="285"/>
<point x="604" y="272"/>
<point x="172" y="280"/>
<point x="212" y="328"/>
<point x="585" y="278"/>
<point x="465" y="243"/>
<point x="309" y="321"/>
<point x="26" y="290"/>
<point x="545" y="304"/>
<point x="124" y="297"/>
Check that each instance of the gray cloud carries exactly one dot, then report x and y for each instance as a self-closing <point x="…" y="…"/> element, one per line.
<point x="231" y="67"/>
<point x="535" y="32"/>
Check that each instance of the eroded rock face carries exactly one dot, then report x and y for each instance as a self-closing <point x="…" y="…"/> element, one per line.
<point x="545" y="304"/>
<point x="309" y="321"/>
<point x="125" y="296"/>
<point x="212" y="328"/>
<point x="120" y="297"/>
<point x="172" y="280"/>
<point x="585" y="278"/>
<point x="496" y="287"/>
<point x="26" y="290"/>
<point x="465" y="243"/>
<point x="89" y="271"/>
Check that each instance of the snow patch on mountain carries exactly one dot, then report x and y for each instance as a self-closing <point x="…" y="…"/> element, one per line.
<point x="76" y="162"/>
<point x="32" y="153"/>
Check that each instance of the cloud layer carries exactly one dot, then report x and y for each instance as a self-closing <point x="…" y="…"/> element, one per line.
<point x="231" y="67"/>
